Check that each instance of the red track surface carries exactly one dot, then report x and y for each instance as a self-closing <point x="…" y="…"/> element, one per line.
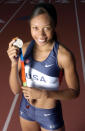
<point x="73" y="110"/>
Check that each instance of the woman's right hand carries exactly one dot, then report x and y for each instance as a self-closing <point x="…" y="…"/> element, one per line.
<point x="13" y="52"/>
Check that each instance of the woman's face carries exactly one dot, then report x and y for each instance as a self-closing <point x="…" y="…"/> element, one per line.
<point x="42" y="29"/>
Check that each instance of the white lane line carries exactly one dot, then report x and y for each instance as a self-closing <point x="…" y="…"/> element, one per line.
<point x="10" y="113"/>
<point x="13" y="16"/>
<point x="80" y="43"/>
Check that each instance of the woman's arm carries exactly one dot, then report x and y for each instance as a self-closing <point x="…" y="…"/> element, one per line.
<point x="14" y="77"/>
<point x="67" y="62"/>
<point x="14" y="80"/>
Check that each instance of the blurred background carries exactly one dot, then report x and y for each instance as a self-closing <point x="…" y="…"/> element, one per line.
<point x="14" y="21"/>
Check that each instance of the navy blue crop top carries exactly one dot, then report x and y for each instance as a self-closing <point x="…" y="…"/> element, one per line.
<point x="45" y="74"/>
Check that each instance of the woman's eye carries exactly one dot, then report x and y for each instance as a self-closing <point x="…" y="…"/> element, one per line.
<point x="35" y="28"/>
<point x="47" y="28"/>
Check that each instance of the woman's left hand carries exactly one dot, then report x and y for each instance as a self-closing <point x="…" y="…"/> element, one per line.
<point x="31" y="93"/>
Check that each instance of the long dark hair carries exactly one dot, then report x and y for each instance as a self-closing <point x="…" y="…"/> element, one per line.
<point x="48" y="8"/>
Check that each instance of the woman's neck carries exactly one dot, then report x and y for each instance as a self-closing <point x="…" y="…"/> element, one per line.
<point x="44" y="47"/>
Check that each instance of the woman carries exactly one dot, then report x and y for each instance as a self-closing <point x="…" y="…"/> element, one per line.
<point x="45" y="60"/>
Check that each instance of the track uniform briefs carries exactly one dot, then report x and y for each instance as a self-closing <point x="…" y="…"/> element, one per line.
<point x="43" y="75"/>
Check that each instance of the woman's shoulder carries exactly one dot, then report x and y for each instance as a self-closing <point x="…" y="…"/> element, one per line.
<point x="64" y="50"/>
<point x="64" y="55"/>
<point x="25" y="46"/>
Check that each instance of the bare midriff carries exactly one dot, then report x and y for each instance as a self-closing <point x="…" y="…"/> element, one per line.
<point x="43" y="103"/>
